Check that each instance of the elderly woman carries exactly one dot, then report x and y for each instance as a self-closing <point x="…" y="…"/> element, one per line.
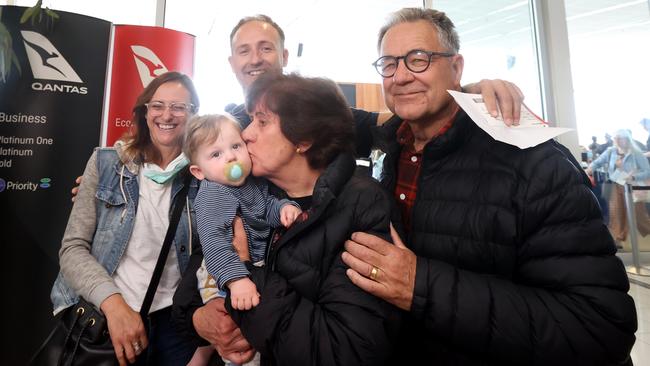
<point x="301" y="139"/>
<point x="624" y="162"/>
<point x="118" y="224"/>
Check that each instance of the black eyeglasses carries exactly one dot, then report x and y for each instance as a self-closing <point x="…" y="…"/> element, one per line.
<point x="415" y="60"/>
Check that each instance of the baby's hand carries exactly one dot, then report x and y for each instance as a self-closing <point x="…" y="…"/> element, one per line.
<point x="289" y="214"/>
<point x="243" y="294"/>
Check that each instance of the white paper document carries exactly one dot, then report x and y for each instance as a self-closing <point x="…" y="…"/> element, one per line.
<point x="530" y="132"/>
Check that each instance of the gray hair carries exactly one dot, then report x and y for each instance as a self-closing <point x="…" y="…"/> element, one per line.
<point x="258" y="18"/>
<point x="627" y="134"/>
<point x="444" y="26"/>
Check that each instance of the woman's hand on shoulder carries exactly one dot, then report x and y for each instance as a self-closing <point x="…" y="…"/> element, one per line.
<point x="125" y="328"/>
<point x="75" y="189"/>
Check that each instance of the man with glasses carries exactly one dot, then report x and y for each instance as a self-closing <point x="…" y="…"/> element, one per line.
<point x="508" y="259"/>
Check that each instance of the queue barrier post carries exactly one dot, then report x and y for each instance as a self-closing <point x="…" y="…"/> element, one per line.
<point x="636" y="267"/>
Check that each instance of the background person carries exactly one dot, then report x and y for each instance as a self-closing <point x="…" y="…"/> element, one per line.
<point x="624" y="163"/>
<point x="508" y="260"/>
<point x="118" y="223"/>
<point x="593" y="147"/>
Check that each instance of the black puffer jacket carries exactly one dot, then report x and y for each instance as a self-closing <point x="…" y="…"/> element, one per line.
<point x="515" y="265"/>
<point x="310" y="313"/>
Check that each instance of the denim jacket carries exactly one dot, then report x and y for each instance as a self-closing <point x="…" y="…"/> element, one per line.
<point x="100" y="226"/>
<point x="633" y="162"/>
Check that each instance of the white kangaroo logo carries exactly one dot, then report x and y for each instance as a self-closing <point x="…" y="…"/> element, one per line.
<point x="148" y="64"/>
<point x="45" y="60"/>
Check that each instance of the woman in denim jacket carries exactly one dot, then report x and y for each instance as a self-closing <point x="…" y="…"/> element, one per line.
<point x="624" y="163"/>
<point x="119" y="220"/>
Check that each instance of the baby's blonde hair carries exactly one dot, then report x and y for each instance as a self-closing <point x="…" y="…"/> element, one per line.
<point x="204" y="130"/>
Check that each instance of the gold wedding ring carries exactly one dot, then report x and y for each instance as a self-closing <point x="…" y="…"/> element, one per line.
<point x="136" y="347"/>
<point x="373" y="273"/>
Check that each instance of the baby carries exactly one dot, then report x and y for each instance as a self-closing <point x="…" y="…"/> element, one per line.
<point x="219" y="158"/>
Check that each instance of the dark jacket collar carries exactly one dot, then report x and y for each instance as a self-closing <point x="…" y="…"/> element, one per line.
<point x="331" y="182"/>
<point x="461" y="130"/>
<point x="455" y="138"/>
<point x="385" y="138"/>
<point x="328" y="186"/>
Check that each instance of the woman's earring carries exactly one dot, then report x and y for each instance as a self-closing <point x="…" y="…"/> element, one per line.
<point x="298" y="150"/>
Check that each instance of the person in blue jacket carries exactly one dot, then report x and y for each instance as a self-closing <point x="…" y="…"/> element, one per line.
<point x="624" y="163"/>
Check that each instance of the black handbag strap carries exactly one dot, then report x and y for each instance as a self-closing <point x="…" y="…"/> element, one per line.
<point x="164" y="251"/>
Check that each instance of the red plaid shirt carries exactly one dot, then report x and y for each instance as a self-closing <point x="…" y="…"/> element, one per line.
<point x="408" y="169"/>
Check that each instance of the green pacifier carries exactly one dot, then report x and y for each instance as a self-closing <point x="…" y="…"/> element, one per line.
<point x="234" y="171"/>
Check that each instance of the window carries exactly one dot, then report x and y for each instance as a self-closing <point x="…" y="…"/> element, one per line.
<point x="497" y="43"/>
<point x="608" y="41"/>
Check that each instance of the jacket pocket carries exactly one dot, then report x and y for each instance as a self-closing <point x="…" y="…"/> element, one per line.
<point x="111" y="209"/>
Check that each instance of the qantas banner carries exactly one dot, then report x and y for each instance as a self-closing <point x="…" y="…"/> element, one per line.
<point x="139" y="55"/>
<point x="50" y="120"/>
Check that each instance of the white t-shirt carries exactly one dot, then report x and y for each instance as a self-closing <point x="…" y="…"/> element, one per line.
<point x="134" y="271"/>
